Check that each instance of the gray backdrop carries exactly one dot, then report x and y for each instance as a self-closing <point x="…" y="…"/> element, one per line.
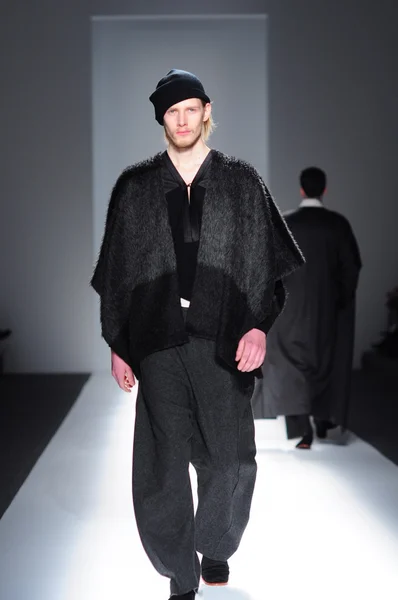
<point x="332" y="102"/>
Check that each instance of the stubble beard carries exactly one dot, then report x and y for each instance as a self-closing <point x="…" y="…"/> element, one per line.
<point x="182" y="142"/>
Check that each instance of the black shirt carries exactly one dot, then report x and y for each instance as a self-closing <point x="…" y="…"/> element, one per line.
<point x="185" y="216"/>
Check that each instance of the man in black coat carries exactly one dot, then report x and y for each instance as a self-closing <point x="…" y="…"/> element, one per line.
<point x="190" y="280"/>
<point x="310" y="349"/>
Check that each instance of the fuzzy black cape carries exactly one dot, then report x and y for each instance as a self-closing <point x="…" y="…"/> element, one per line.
<point x="245" y="249"/>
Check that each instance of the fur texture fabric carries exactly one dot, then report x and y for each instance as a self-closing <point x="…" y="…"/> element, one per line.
<point x="245" y="250"/>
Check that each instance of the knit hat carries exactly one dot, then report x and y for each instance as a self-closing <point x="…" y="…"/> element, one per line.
<point x="175" y="87"/>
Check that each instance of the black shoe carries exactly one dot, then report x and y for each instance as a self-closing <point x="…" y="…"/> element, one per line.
<point x="322" y="428"/>
<point x="214" y="572"/>
<point x="306" y="442"/>
<point x="189" y="596"/>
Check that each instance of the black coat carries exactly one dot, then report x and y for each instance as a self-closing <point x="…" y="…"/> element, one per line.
<point x="310" y="348"/>
<point x="245" y="251"/>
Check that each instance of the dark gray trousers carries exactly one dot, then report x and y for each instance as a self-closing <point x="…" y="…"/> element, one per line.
<point x="297" y="426"/>
<point x="191" y="409"/>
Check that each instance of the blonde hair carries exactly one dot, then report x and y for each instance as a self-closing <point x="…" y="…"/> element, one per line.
<point x="208" y="126"/>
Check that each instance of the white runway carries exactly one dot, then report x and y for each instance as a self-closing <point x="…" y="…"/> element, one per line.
<point x="324" y="523"/>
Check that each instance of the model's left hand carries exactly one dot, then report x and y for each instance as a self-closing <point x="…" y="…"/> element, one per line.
<point x="251" y="350"/>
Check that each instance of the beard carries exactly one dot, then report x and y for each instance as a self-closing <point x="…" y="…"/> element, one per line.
<point x="185" y="142"/>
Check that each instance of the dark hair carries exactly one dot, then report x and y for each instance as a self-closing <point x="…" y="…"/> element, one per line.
<point x="313" y="182"/>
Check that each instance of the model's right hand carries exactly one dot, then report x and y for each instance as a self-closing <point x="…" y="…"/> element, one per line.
<point x="122" y="373"/>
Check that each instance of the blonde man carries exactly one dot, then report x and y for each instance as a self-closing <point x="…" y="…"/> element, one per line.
<point x="189" y="276"/>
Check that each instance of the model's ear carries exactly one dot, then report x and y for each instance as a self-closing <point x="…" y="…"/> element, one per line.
<point x="302" y="193"/>
<point x="207" y="113"/>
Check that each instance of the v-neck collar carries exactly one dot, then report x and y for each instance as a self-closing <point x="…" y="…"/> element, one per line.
<point x="176" y="175"/>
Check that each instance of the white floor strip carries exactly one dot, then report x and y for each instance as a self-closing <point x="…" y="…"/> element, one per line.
<point x="324" y="523"/>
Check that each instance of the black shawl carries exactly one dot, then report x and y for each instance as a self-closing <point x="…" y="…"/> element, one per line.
<point x="245" y="250"/>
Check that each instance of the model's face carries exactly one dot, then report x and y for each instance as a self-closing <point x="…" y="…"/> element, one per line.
<point x="183" y="122"/>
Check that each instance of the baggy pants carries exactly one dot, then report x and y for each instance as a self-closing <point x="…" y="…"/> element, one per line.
<point x="300" y="425"/>
<point x="297" y="426"/>
<point x="192" y="409"/>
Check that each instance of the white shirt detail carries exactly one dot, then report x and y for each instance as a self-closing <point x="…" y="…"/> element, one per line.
<point x="314" y="202"/>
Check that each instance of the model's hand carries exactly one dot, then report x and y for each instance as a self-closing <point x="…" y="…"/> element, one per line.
<point x="251" y="350"/>
<point x="122" y="373"/>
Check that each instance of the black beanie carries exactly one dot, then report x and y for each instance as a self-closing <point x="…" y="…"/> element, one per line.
<point x="175" y="87"/>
